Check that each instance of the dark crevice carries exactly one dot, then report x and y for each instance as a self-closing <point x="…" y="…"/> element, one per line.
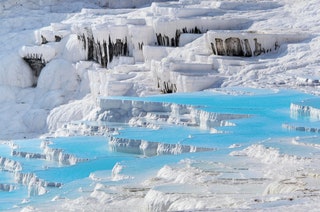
<point x="44" y="40"/>
<point x="36" y="63"/>
<point x="57" y="38"/>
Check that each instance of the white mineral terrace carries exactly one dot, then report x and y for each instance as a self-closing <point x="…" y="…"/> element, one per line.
<point x="34" y="184"/>
<point x="308" y="108"/>
<point x="7" y="187"/>
<point x="119" y="110"/>
<point x="9" y="165"/>
<point x="59" y="156"/>
<point x="147" y="148"/>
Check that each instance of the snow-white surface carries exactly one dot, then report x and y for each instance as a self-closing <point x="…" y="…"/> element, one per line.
<point x="159" y="59"/>
<point x="150" y="69"/>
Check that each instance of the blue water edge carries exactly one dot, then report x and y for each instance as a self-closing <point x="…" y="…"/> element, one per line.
<point x="269" y="110"/>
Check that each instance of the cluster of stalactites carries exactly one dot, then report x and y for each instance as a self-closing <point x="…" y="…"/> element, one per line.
<point x="167" y="87"/>
<point x="36" y="63"/>
<point x="105" y="51"/>
<point x="233" y="46"/>
<point x="164" y="40"/>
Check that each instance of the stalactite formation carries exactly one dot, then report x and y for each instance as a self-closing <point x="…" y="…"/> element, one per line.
<point x="140" y="45"/>
<point x="90" y="47"/>
<point x="219" y="46"/>
<point x="82" y="38"/>
<point x="233" y="46"/>
<point x="248" y="51"/>
<point x="36" y="63"/>
<point x="167" y="87"/>
<point x="164" y="40"/>
<point x="104" y="52"/>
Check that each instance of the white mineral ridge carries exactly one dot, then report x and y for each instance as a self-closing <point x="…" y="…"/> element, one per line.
<point x="73" y="50"/>
<point x="14" y="71"/>
<point x="59" y="74"/>
<point x="10" y="165"/>
<point x="125" y="4"/>
<point x="8" y="93"/>
<point x="35" y="119"/>
<point x="76" y="110"/>
<point x="269" y="155"/>
<point x="46" y="52"/>
<point x="308" y="108"/>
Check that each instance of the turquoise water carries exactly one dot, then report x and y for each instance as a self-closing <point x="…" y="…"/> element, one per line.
<point x="268" y="110"/>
